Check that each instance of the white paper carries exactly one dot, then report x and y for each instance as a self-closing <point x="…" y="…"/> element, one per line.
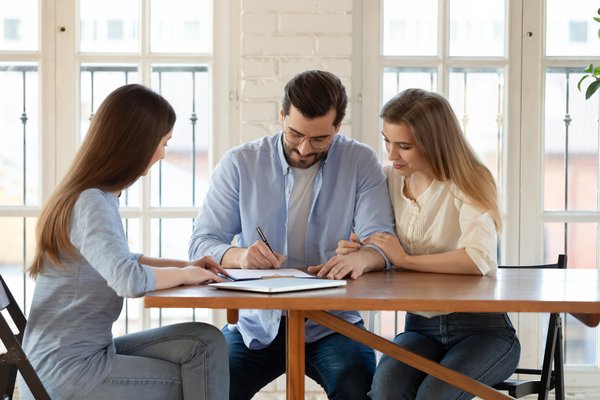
<point x="267" y="273"/>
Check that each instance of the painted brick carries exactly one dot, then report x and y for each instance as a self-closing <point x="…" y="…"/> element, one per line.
<point x="253" y="89"/>
<point x="259" y="111"/>
<point x="280" y="5"/>
<point x="319" y="23"/>
<point x="342" y="67"/>
<point x="288" y="67"/>
<point x="278" y="45"/>
<point x="335" y="6"/>
<point x="334" y="45"/>
<point x="259" y="67"/>
<point x="259" y="22"/>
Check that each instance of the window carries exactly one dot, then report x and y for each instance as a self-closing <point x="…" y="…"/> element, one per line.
<point x="166" y="45"/>
<point x="21" y="154"/>
<point x="12" y="29"/>
<point x="578" y="31"/>
<point x="521" y="112"/>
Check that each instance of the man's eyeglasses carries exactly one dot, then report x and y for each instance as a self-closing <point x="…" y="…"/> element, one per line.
<point x="317" y="143"/>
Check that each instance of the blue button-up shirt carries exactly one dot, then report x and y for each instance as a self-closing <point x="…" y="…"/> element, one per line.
<point x="251" y="186"/>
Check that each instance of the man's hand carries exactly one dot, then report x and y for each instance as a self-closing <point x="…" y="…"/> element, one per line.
<point x="259" y="256"/>
<point x="351" y="265"/>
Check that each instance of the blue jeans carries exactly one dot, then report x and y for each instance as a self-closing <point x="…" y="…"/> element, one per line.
<point x="483" y="346"/>
<point x="181" y="361"/>
<point x="344" y="368"/>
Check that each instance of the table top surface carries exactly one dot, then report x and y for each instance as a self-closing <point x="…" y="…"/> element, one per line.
<point x="524" y="290"/>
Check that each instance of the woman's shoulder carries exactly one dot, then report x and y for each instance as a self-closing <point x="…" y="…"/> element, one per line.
<point x="94" y="198"/>
<point x="95" y="194"/>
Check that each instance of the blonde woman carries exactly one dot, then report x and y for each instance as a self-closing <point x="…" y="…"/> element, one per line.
<point x="83" y="270"/>
<point x="447" y="218"/>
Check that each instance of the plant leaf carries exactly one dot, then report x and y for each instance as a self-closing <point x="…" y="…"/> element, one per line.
<point x="592" y="89"/>
<point x="581" y="80"/>
<point x="596" y="71"/>
<point x="596" y="19"/>
<point x="589" y="68"/>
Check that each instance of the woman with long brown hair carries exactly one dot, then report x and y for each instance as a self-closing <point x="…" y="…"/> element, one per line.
<point x="447" y="218"/>
<point x="83" y="269"/>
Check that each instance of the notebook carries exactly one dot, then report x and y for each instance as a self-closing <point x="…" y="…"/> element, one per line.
<point x="279" y="285"/>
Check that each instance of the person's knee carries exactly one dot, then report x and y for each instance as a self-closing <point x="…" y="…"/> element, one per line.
<point x="352" y="382"/>
<point x="207" y="337"/>
<point x="433" y="388"/>
<point x="395" y="380"/>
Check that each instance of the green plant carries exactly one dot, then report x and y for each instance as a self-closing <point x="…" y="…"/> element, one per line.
<point x="592" y="72"/>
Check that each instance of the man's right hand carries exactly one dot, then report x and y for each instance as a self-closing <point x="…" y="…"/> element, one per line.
<point x="259" y="256"/>
<point x="348" y="246"/>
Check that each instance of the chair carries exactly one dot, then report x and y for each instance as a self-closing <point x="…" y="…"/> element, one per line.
<point x="551" y="375"/>
<point x="15" y="359"/>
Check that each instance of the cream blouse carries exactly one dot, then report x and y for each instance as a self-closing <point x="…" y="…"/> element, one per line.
<point x="441" y="220"/>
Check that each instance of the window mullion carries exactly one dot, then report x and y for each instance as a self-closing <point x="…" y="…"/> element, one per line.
<point x="443" y="46"/>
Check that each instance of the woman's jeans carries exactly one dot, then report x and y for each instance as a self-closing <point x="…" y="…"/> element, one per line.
<point x="181" y="361"/>
<point x="343" y="367"/>
<point x="483" y="346"/>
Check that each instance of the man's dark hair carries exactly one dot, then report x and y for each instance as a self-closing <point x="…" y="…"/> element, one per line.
<point x="314" y="93"/>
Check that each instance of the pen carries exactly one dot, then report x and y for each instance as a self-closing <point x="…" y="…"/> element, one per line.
<point x="263" y="238"/>
<point x="226" y="276"/>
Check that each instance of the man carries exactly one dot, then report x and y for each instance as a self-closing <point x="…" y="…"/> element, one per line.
<point x="307" y="188"/>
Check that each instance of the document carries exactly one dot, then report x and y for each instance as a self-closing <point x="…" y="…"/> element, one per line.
<point x="248" y="274"/>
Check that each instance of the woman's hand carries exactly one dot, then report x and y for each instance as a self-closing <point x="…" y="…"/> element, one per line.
<point x="203" y="270"/>
<point x="207" y="262"/>
<point x="199" y="275"/>
<point x="196" y="272"/>
<point x="391" y="247"/>
<point x="348" y="246"/>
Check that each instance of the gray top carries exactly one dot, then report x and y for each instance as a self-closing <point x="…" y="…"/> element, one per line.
<point x="68" y="336"/>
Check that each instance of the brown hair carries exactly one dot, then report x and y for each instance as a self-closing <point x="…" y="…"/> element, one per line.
<point x="120" y="143"/>
<point x="438" y="135"/>
<point x="314" y="93"/>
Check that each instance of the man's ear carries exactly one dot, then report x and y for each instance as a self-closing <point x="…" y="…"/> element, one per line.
<point x="281" y="116"/>
<point x="337" y="128"/>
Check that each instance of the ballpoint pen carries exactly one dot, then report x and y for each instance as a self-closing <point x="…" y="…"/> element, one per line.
<point x="264" y="238"/>
<point x="226" y="276"/>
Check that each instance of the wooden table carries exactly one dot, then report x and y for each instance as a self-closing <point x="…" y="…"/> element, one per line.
<point x="575" y="291"/>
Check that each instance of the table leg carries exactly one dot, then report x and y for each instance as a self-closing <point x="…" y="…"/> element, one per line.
<point x="295" y="355"/>
<point x="232" y="316"/>
<point x="414" y="360"/>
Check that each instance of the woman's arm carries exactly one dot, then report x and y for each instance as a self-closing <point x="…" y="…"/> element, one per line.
<point x="169" y="273"/>
<point x="453" y="262"/>
<point x="162" y="262"/>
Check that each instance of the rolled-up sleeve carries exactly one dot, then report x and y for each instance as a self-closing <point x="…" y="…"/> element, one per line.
<point x="374" y="212"/>
<point x="478" y="238"/>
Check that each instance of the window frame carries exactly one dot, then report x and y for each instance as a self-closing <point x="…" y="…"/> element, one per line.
<point x="522" y="156"/>
<point x="58" y="62"/>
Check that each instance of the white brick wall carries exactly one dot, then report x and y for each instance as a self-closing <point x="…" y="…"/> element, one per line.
<point x="280" y="38"/>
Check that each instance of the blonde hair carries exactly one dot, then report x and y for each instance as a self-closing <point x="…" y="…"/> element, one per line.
<point x="438" y="135"/>
<point x="120" y="143"/>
